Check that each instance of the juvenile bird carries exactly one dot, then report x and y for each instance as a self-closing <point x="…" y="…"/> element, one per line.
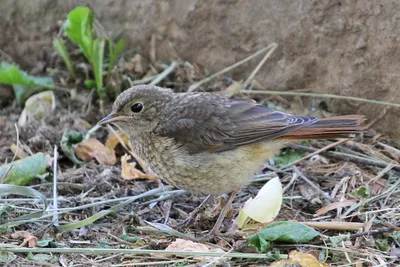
<point x="208" y="143"/>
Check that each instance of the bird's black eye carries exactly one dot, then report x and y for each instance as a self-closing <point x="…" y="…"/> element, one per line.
<point x="137" y="107"/>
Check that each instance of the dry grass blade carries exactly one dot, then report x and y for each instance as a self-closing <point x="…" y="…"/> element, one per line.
<point x="193" y="87"/>
<point x="267" y="92"/>
<point x="315" y="153"/>
<point x="99" y="251"/>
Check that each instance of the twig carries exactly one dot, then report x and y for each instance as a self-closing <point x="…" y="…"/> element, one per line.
<point x="237" y="64"/>
<point x="268" y="92"/>
<point x="142" y="81"/>
<point x="292" y="180"/>
<point x="308" y="181"/>
<point x="143" y="195"/>
<point x="18" y="144"/>
<point x="371" y="199"/>
<point x="377" y="118"/>
<point x="165" y="196"/>
<point x="55" y="195"/>
<point x="381" y="173"/>
<point x="251" y="76"/>
<point x="347" y="157"/>
<point x="316" y="152"/>
<point x="91" y="131"/>
<point x="165" y="73"/>
<point x="375" y="231"/>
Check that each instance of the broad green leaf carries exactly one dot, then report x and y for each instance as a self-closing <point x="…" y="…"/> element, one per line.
<point x="24" y="84"/>
<point x="78" y="26"/>
<point x="23" y="171"/>
<point x="289" y="232"/>
<point x="70" y="138"/>
<point x="98" y="55"/>
<point x="62" y="50"/>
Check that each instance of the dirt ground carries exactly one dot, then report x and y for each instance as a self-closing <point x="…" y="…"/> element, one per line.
<point x="356" y="181"/>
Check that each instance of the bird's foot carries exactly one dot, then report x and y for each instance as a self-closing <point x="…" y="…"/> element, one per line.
<point x="193" y="214"/>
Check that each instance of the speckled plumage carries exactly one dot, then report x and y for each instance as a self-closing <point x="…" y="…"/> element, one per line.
<point x="207" y="143"/>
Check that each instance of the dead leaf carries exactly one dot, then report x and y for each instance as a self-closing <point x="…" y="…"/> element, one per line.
<point x="18" y="151"/>
<point x="299" y="259"/>
<point x="92" y="148"/>
<point x="233" y="89"/>
<point x="130" y="172"/>
<point x="114" y="139"/>
<point x="37" y="107"/>
<point x="187" y="245"/>
<point x="137" y="64"/>
<point x="81" y="124"/>
<point x="336" y="205"/>
<point x="28" y="238"/>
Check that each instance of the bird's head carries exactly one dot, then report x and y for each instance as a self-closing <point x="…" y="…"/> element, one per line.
<point x="139" y="110"/>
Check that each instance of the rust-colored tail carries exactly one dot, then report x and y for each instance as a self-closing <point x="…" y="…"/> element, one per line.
<point x="333" y="127"/>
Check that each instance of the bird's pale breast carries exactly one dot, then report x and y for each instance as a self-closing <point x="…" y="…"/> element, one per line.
<point x="207" y="173"/>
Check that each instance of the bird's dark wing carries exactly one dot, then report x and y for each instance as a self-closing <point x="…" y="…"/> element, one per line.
<point x="240" y="122"/>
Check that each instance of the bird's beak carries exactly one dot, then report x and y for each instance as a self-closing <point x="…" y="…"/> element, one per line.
<point x="110" y="118"/>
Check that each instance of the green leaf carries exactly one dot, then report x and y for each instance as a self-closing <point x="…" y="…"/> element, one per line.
<point x="288" y="156"/>
<point x="44" y="242"/>
<point x="129" y="238"/>
<point x="5" y="209"/>
<point x="98" y="55"/>
<point x="23" y="171"/>
<point x="362" y="192"/>
<point x="383" y="244"/>
<point x="336" y="240"/>
<point x="113" y="54"/>
<point x="70" y="138"/>
<point x="79" y="26"/>
<point x="289" y="232"/>
<point x="42" y="257"/>
<point x="62" y="50"/>
<point x="24" y="84"/>
<point x="87" y="221"/>
<point x="7" y="257"/>
<point x="90" y="84"/>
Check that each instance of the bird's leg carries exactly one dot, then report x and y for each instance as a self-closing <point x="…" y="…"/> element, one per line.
<point x="221" y="217"/>
<point x="193" y="214"/>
